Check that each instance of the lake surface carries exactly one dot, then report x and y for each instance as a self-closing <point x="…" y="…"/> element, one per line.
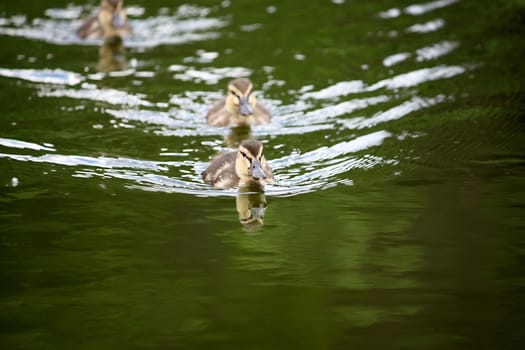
<point x="397" y="143"/>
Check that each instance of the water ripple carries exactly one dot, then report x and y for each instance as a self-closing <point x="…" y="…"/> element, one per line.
<point x="25" y="145"/>
<point x="46" y="76"/>
<point x="427" y="27"/>
<point x="345" y="128"/>
<point x="208" y="75"/>
<point x="70" y="12"/>
<point x="91" y="92"/>
<point x="436" y="50"/>
<point x="416" y="9"/>
<point x="295" y="174"/>
<point x="420" y="9"/>
<point x="170" y="30"/>
<point x="394" y="113"/>
<point x="396" y="58"/>
<point x="339" y="89"/>
<point x="403" y="80"/>
<point x="325" y="153"/>
<point x="417" y="77"/>
<point x="188" y="24"/>
<point x="98" y="162"/>
<point x="323" y="115"/>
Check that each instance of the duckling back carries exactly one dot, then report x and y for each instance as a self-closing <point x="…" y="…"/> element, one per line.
<point x="223" y="114"/>
<point x="90" y="28"/>
<point x="220" y="172"/>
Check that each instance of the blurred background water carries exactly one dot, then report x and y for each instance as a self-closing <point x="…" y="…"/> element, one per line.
<point x="396" y="220"/>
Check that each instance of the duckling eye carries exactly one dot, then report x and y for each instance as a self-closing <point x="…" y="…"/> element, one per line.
<point x="234" y="94"/>
<point x="245" y="156"/>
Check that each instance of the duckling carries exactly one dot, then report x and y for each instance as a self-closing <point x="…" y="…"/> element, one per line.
<point x="108" y="22"/>
<point x="239" y="107"/>
<point x="245" y="166"/>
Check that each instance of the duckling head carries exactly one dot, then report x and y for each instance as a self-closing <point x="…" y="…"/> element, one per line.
<point x="111" y="13"/>
<point x="250" y="162"/>
<point x="240" y="98"/>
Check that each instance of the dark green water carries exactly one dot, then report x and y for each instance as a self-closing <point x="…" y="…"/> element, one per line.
<point x="396" y="220"/>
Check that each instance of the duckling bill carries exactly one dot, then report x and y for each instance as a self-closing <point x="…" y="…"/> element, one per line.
<point x="247" y="165"/>
<point x="110" y="21"/>
<point x="239" y="107"/>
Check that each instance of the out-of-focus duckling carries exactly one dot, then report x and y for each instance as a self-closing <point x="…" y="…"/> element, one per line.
<point x="108" y="22"/>
<point x="239" y="107"/>
<point x="245" y="166"/>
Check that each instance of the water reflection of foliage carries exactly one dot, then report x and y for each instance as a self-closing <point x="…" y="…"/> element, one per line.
<point x="345" y="241"/>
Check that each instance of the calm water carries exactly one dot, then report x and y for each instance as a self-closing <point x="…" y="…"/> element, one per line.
<point x="396" y="220"/>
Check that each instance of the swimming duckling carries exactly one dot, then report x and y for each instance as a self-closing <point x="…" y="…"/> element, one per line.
<point x="108" y="22"/>
<point x="239" y="107"/>
<point x="242" y="167"/>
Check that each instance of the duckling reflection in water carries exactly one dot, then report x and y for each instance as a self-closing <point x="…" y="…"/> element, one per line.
<point x="245" y="166"/>
<point x="251" y="205"/>
<point x="108" y="22"/>
<point x="239" y="107"/>
<point x="112" y="55"/>
<point x="236" y="135"/>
